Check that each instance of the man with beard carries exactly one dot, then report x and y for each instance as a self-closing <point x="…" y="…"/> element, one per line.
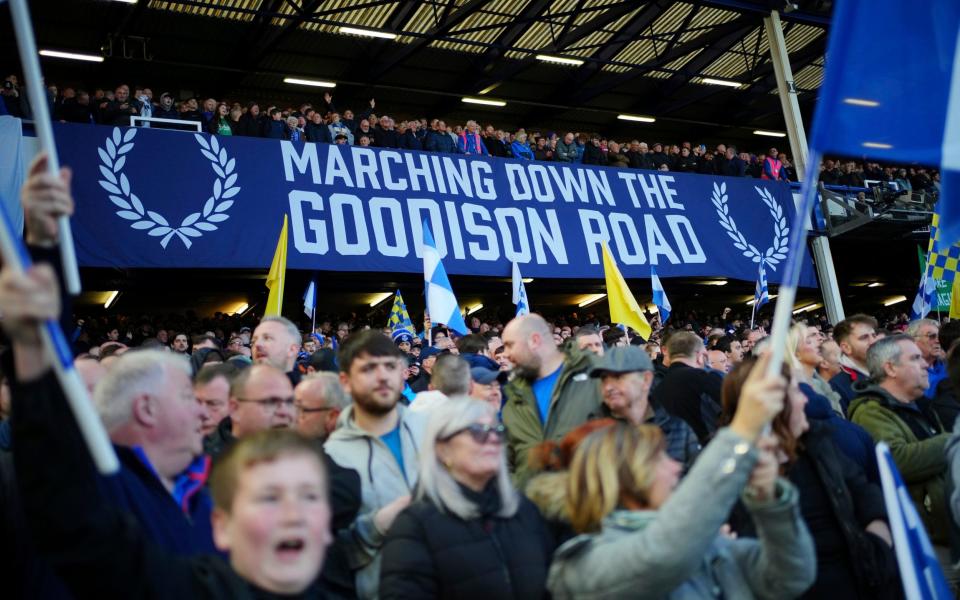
<point x="549" y="394"/>
<point x="276" y="342"/>
<point x="380" y="439"/>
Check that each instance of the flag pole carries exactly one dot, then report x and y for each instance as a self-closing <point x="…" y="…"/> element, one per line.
<point x="787" y="292"/>
<point x="16" y="258"/>
<point x="36" y="94"/>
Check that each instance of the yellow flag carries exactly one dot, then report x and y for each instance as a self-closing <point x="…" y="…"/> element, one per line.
<point x="277" y="274"/>
<point x="955" y="299"/>
<point x="623" y="306"/>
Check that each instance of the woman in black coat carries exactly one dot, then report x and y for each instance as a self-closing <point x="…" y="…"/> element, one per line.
<point x="844" y="512"/>
<point x="468" y="534"/>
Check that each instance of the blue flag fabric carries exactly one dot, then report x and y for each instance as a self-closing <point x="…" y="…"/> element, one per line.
<point x="310" y="299"/>
<point x="920" y="570"/>
<point x="519" y="292"/>
<point x="441" y="302"/>
<point x="660" y="296"/>
<point x="761" y="295"/>
<point x="908" y="111"/>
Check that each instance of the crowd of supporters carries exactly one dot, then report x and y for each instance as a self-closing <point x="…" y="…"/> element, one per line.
<point x="324" y="122"/>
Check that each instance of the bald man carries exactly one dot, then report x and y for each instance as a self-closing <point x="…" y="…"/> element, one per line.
<point x="550" y="393"/>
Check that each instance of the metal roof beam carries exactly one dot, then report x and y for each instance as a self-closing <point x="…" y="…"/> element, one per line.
<point x="531" y="12"/>
<point x="763" y="8"/>
<point x="614" y="13"/>
<point x="451" y="20"/>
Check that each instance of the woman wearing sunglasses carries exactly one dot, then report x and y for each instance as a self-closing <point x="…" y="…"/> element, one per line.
<point x="468" y="533"/>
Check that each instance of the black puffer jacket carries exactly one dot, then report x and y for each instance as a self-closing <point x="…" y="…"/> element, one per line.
<point x="431" y="553"/>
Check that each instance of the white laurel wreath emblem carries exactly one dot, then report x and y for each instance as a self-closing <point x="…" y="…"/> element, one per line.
<point x="113" y="158"/>
<point x="775" y="253"/>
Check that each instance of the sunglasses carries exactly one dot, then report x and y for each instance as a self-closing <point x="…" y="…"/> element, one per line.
<point x="481" y="433"/>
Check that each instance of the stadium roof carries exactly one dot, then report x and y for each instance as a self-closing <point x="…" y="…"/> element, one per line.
<point x="629" y="57"/>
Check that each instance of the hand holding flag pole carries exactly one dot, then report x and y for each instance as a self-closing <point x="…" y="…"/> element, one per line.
<point x="36" y="93"/>
<point x="16" y="258"/>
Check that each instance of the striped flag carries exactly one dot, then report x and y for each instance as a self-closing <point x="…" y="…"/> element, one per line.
<point x="441" y="303"/>
<point x="660" y="296"/>
<point x="761" y="295"/>
<point x="920" y="570"/>
<point x="519" y="292"/>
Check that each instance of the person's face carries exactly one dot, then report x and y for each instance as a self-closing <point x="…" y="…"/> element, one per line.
<point x="209" y="104"/>
<point x="666" y="474"/>
<point x="316" y="118"/>
<point x="223" y="110"/>
<point x="364" y="141"/>
<point x="179" y="429"/>
<point x="364" y="125"/>
<point x="278" y="527"/>
<point x="928" y="339"/>
<point x="909" y="374"/>
<point x="255" y="110"/>
<point x="623" y="391"/>
<point x="191" y="104"/>
<point x="808" y="350"/>
<point x="272" y="344"/>
<point x="773" y="153"/>
<point x="440" y="340"/>
<point x="113" y="335"/>
<point x="718" y="360"/>
<point x="592" y="342"/>
<point x="520" y="352"/>
<point x="122" y="93"/>
<point x="313" y="414"/>
<point x="310" y="346"/>
<point x="830" y="355"/>
<point x="215" y="397"/>
<point x="180" y="343"/>
<point x="267" y="403"/>
<point x="861" y="337"/>
<point x="374" y="382"/>
<point x="162" y="336"/>
<point x="736" y="352"/>
<point x="404" y="347"/>
<point x="166" y="102"/>
<point x="470" y="460"/>
<point x="798" y="423"/>
<point x="487" y="392"/>
<point x="565" y="332"/>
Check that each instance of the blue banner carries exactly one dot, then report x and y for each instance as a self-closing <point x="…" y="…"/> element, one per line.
<point x="152" y="198"/>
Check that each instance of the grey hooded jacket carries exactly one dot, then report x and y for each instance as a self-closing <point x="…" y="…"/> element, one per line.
<point x="381" y="482"/>
<point x="676" y="552"/>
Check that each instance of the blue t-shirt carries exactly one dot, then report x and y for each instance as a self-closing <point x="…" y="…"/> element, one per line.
<point x="936" y="374"/>
<point x="543" y="392"/>
<point x="392" y="440"/>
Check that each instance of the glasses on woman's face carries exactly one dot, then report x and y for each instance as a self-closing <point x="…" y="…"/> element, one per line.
<point x="481" y="433"/>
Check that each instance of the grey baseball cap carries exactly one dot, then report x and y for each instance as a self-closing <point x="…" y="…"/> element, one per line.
<point x="624" y="359"/>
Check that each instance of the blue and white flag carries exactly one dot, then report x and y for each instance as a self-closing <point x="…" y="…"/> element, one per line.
<point x="926" y="297"/>
<point x="310" y="299"/>
<point x="660" y="296"/>
<point x="441" y="303"/>
<point x="519" y="292"/>
<point x="906" y="112"/>
<point x="920" y="570"/>
<point x="761" y="295"/>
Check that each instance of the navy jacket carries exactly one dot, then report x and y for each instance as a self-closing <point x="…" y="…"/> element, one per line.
<point x="852" y="439"/>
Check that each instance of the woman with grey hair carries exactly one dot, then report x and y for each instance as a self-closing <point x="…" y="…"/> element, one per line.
<point x="468" y="533"/>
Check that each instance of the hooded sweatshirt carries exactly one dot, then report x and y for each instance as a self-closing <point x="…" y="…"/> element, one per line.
<point x="381" y="480"/>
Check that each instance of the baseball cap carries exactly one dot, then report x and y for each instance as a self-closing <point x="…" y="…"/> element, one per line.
<point x="483" y="375"/>
<point x="624" y="359"/>
<point x="430" y="351"/>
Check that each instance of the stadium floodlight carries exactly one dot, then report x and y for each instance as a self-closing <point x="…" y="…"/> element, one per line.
<point x="769" y="133"/>
<point x="590" y="299"/>
<point x="111" y="298"/>
<point x="861" y="102"/>
<point x="484" y="101"/>
<point x="368" y="33"/>
<point x="894" y="300"/>
<point x="638" y="118"/>
<point x="476" y="308"/>
<point x="726" y="82"/>
<point x="310" y="82"/>
<point x="378" y="298"/>
<point x="560" y="60"/>
<point x="71" y="55"/>
<point x="752" y="299"/>
<point x="877" y="145"/>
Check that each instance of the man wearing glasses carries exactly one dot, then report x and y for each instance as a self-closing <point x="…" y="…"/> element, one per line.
<point x="319" y="398"/>
<point x="261" y="397"/>
<point x="926" y="333"/>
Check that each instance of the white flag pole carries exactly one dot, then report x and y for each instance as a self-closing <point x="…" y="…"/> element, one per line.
<point x="37" y="95"/>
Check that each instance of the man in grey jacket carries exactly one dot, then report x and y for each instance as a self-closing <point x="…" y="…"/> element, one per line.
<point x="379" y="439"/>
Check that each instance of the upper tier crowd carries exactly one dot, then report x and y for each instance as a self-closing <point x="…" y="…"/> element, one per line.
<point x="324" y="122"/>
